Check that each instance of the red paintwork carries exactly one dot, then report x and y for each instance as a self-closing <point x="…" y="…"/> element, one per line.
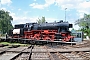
<point x="44" y="35"/>
<point x="40" y="34"/>
<point x="67" y="36"/>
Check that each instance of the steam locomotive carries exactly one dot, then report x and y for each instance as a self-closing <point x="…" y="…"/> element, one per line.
<point x="57" y="31"/>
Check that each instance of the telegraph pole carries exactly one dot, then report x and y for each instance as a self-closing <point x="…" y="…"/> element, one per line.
<point x="65" y="13"/>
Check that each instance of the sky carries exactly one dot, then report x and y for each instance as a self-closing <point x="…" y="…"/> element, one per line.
<point x="26" y="11"/>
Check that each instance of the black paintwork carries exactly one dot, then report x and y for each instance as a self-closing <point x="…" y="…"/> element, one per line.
<point x="60" y="26"/>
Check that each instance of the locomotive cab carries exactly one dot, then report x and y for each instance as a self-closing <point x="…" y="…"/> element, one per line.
<point x="17" y="31"/>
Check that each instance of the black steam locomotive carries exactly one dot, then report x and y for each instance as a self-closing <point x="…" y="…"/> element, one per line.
<point x="57" y="31"/>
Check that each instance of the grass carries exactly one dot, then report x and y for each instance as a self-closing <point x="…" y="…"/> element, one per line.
<point x="5" y="43"/>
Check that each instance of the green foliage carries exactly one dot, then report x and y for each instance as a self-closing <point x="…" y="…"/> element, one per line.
<point x="5" y="43"/>
<point x="42" y="20"/>
<point x="5" y="21"/>
<point x="84" y="23"/>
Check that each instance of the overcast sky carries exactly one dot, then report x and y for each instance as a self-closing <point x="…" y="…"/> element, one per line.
<point x="24" y="11"/>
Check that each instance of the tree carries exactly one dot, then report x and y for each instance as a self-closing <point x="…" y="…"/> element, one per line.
<point x="84" y="23"/>
<point x="42" y="20"/>
<point x="5" y="21"/>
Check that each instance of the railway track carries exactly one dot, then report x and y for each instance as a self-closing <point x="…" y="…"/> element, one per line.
<point x="8" y="55"/>
<point x="25" y="54"/>
<point x="46" y="52"/>
<point x="85" y="44"/>
<point x="70" y="55"/>
<point x="77" y="55"/>
<point x="56" y="55"/>
<point x="15" y="53"/>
